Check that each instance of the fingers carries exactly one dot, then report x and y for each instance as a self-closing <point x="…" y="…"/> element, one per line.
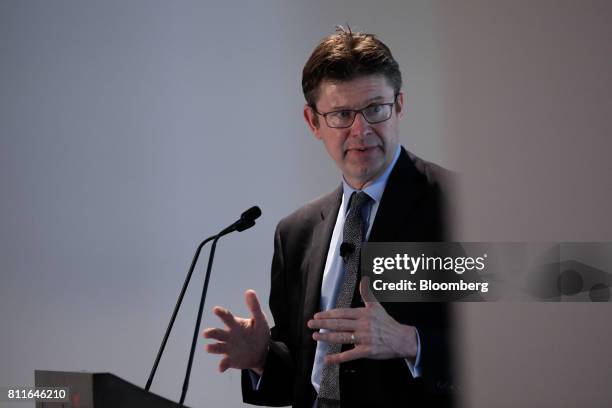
<point x="217" y="348"/>
<point x="224" y="364"/>
<point x="333" y="324"/>
<point x="349" y="355"/>
<point x="366" y="293"/>
<point x="216" y="334"/>
<point x="226" y="316"/>
<point x="252" y="303"/>
<point x="342" y="313"/>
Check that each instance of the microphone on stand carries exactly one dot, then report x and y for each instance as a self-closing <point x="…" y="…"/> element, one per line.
<point x="246" y="221"/>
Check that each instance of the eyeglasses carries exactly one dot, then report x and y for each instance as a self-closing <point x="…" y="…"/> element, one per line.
<point x="375" y="113"/>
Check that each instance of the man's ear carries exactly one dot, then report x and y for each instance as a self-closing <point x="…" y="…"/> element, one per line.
<point x="399" y="104"/>
<point x="312" y="120"/>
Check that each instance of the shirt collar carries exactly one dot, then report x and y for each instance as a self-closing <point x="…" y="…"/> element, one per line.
<point x="374" y="190"/>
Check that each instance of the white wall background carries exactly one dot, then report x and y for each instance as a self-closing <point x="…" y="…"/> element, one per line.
<point x="129" y="131"/>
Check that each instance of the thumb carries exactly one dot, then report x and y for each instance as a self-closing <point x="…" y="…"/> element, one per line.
<point x="252" y="302"/>
<point x="366" y="293"/>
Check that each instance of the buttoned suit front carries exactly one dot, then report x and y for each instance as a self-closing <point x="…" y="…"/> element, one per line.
<point x="413" y="208"/>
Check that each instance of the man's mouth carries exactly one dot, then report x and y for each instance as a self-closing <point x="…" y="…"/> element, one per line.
<point x="360" y="149"/>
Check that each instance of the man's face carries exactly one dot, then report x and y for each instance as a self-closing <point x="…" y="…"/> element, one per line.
<point x="362" y="151"/>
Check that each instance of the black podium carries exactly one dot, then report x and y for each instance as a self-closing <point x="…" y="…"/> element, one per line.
<point x="98" y="390"/>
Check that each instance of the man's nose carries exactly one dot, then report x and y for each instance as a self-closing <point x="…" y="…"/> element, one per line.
<point x="360" y="126"/>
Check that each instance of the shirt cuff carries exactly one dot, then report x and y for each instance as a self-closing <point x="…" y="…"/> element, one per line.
<point x="415" y="369"/>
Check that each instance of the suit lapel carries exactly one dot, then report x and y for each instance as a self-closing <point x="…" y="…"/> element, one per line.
<point x="313" y="266"/>
<point x="316" y="254"/>
<point x="405" y="188"/>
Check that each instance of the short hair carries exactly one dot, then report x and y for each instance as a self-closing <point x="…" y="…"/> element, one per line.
<point x="346" y="55"/>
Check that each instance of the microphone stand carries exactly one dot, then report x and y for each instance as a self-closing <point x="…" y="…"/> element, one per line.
<point x="246" y="221"/>
<point x="176" y="309"/>
<point x="211" y="256"/>
<point x="241" y="225"/>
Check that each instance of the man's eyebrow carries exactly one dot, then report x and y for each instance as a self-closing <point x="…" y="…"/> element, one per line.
<point x="365" y="104"/>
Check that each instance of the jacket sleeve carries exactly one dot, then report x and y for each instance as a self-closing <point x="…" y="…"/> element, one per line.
<point x="436" y="363"/>
<point x="277" y="381"/>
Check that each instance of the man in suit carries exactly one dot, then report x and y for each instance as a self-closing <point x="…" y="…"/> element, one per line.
<point x="332" y="342"/>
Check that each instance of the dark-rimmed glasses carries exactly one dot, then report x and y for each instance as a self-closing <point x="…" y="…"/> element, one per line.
<point x="374" y="113"/>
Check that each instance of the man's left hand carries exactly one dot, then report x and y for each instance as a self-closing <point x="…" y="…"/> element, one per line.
<point x="375" y="334"/>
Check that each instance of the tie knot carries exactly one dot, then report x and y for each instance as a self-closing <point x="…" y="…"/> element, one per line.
<point x="359" y="200"/>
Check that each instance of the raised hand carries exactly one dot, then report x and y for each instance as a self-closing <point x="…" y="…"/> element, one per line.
<point x="374" y="333"/>
<point x="244" y="342"/>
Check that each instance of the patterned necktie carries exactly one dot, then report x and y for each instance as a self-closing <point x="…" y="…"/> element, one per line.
<point x="354" y="233"/>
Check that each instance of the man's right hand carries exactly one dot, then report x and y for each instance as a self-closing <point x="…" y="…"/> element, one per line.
<point x="244" y="342"/>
